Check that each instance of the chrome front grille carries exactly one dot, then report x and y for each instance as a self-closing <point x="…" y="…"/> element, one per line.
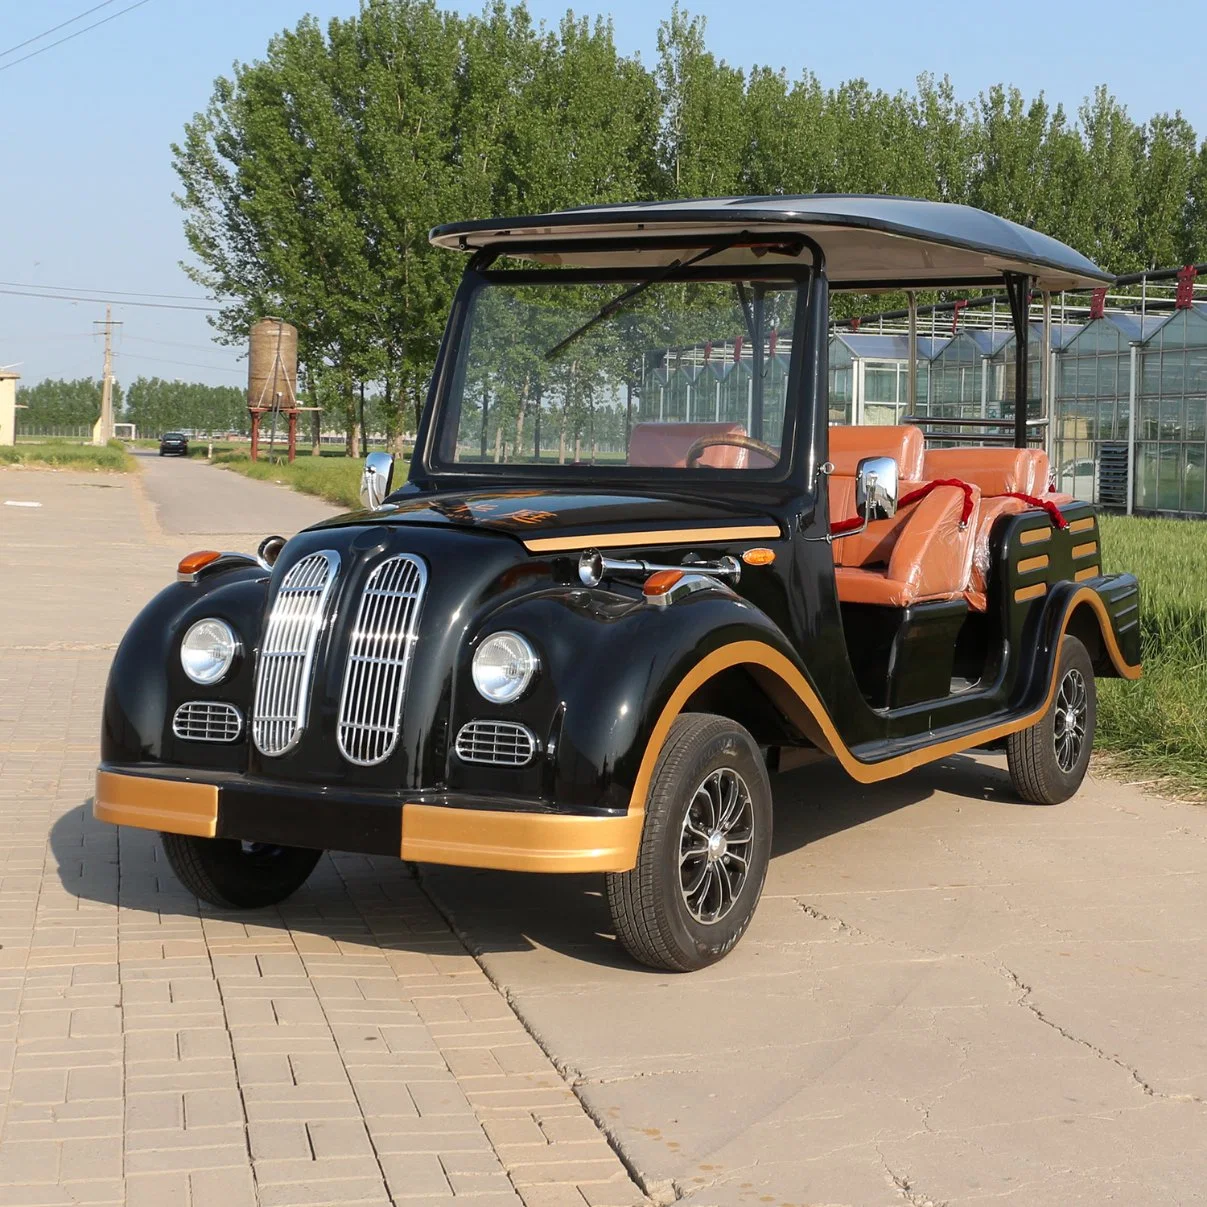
<point x="502" y="743"/>
<point x="287" y="657"/>
<point x="207" y="721"/>
<point x="379" y="660"/>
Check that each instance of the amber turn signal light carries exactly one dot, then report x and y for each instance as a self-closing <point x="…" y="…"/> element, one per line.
<point x="758" y="557"/>
<point x="192" y="562"/>
<point x="662" y="581"/>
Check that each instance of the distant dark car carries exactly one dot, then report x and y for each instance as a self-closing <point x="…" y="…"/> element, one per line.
<point x="173" y="442"/>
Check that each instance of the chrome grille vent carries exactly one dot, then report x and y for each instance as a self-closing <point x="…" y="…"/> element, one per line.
<point x="207" y="721"/>
<point x="379" y="660"/>
<point x="287" y="657"/>
<point x="502" y="743"/>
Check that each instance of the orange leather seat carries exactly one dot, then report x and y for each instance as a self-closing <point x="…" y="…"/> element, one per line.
<point x="666" y="445"/>
<point x="998" y="473"/>
<point x="921" y="553"/>
<point x="849" y="444"/>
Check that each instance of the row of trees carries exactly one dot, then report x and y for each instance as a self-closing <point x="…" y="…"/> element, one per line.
<point x="61" y="404"/>
<point x="309" y="183"/>
<point x="153" y="404"/>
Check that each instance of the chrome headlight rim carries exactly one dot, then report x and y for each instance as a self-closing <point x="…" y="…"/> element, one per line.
<point x="222" y="637"/>
<point x="515" y="667"/>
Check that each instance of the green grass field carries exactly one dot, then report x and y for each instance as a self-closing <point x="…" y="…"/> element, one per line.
<point x="68" y="454"/>
<point x="1156" y="728"/>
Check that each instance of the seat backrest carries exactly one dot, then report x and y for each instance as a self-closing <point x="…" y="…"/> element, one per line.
<point x="933" y="553"/>
<point x="850" y="443"/>
<point x="873" y="546"/>
<point x="667" y="444"/>
<point x="994" y="471"/>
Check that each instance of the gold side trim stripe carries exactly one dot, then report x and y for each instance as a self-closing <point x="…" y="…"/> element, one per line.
<point x="1032" y="592"/>
<point x="1083" y="525"/>
<point x="1034" y="536"/>
<point x="792" y="692"/>
<point x="1088" y="572"/>
<point x="1085" y="550"/>
<point x="1033" y="563"/>
<point x="156" y="804"/>
<point x="519" y="842"/>
<point x="660" y="536"/>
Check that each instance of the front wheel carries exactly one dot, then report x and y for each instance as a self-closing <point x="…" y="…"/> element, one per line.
<point x="704" y="848"/>
<point x="238" y="875"/>
<point x="1048" y="761"/>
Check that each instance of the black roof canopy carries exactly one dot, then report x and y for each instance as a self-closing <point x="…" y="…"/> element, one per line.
<point x="867" y="241"/>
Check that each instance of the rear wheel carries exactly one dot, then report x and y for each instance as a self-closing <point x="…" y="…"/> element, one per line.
<point x="704" y="849"/>
<point x="1048" y="761"/>
<point x="239" y="875"/>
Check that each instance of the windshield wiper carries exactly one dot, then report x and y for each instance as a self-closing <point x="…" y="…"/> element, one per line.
<point x="610" y="308"/>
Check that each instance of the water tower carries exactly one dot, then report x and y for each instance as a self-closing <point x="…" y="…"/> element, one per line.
<point x="272" y="380"/>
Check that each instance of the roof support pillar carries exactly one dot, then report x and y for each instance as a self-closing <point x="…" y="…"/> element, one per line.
<point x="1046" y="391"/>
<point x="1018" y="290"/>
<point x="912" y="407"/>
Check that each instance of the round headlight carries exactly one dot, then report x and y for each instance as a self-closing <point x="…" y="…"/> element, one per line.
<point x="207" y="651"/>
<point x="504" y="665"/>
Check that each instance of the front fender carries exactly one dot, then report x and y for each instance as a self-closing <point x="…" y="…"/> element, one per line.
<point x="146" y="676"/>
<point x="610" y="664"/>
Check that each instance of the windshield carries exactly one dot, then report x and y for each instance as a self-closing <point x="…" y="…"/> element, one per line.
<point x="676" y="375"/>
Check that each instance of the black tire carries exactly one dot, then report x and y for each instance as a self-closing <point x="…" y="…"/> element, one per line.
<point x="650" y="904"/>
<point x="1048" y="761"/>
<point x="225" y="873"/>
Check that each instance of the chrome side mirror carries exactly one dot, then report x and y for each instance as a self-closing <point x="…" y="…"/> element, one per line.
<point x="876" y="488"/>
<point x="375" y="481"/>
<point x="269" y="550"/>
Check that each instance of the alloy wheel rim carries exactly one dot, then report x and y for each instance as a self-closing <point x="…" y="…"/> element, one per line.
<point x="715" y="845"/>
<point x="1068" y="731"/>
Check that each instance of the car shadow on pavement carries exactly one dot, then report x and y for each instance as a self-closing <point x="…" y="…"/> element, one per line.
<point x="355" y="898"/>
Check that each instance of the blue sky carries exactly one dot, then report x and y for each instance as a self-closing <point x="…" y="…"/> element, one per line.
<point x="85" y="128"/>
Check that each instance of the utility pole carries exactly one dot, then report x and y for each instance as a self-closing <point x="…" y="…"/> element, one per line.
<point x="102" y="432"/>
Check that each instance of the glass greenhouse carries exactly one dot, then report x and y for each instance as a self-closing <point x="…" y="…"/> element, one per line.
<point x="869" y="376"/>
<point x="1171" y="414"/>
<point x="1093" y="389"/>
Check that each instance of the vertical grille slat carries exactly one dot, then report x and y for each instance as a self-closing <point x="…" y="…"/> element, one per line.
<point x="283" y="674"/>
<point x="379" y="660"/>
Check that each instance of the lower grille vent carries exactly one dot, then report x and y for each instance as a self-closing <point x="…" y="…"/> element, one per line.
<point x="207" y="721"/>
<point x="501" y="743"/>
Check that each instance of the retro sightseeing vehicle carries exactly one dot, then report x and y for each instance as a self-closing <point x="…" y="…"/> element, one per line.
<point x="633" y="566"/>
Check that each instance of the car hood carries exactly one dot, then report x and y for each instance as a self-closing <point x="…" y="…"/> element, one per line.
<point x="548" y="520"/>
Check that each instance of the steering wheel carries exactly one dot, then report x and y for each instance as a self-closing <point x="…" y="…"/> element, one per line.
<point x="737" y="439"/>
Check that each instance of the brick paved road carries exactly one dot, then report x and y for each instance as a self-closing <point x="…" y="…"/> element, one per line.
<point x="344" y="1049"/>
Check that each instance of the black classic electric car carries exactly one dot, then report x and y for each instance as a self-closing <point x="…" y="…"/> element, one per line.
<point x="634" y="566"/>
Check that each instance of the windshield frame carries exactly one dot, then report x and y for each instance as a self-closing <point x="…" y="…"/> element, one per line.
<point x="443" y="408"/>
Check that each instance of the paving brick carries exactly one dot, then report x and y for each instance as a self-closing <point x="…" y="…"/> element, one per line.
<point x="339" y="1138"/>
<point x="551" y="1196"/>
<point x="222" y="1188"/>
<point x="167" y="1160"/>
<point x="157" y="1189"/>
<point x="415" y="1175"/>
<point x="270" y="1141"/>
<point x="210" y="1108"/>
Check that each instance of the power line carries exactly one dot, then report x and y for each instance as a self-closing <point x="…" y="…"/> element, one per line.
<point x="168" y="343"/>
<point x="62" y="297"/>
<point x="188" y="364"/>
<point x="122" y="293"/>
<point x="55" y="28"/>
<point x="59" y="41"/>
